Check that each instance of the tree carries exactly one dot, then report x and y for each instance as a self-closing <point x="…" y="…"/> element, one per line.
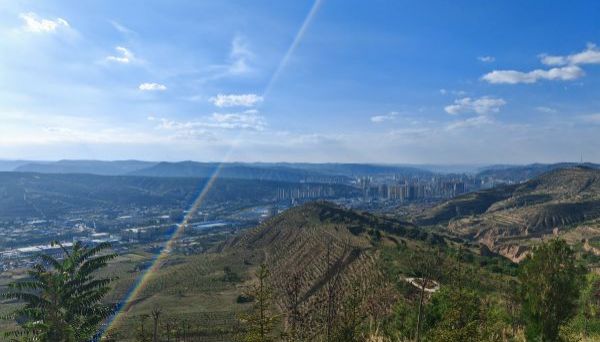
<point x="590" y="304"/>
<point x="456" y="315"/>
<point x="142" y="335"/>
<point x="426" y="265"/>
<point x="550" y="285"/>
<point x="292" y="300"/>
<point x="62" y="298"/>
<point x="352" y="314"/>
<point x="156" y="311"/>
<point x="333" y="272"/>
<point x="511" y="295"/>
<point x="259" y="323"/>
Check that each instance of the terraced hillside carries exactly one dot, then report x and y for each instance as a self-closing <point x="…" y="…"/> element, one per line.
<point x="320" y="245"/>
<point x="504" y="218"/>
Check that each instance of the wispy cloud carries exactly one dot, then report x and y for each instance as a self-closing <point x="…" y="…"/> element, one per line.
<point x="470" y="122"/>
<point x="236" y="100"/>
<point x="567" y="73"/>
<point x="125" y="56"/>
<point x="33" y="23"/>
<point x="486" y="59"/>
<point x="591" y="55"/>
<point x="121" y="28"/>
<point x="591" y="118"/>
<point x="382" y="118"/>
<point x="152" y="87"/>
<point x="544" y="109"/>
<point x="444" y="91"/>
<point x="247" y="120"/>
<point x="238" y="63"/>
<point x="240" y="56"/>
<point x="482" y="105"/>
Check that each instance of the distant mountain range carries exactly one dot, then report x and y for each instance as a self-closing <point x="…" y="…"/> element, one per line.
<point x="289" y="172"/>
<point x="11" y="165"/>
<point x="520" y="173"/>
<point x="231" y="170"/>
<point x="96" y="167"/>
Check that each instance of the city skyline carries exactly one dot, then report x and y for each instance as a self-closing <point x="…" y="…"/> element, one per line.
<point x="314" y="81"/>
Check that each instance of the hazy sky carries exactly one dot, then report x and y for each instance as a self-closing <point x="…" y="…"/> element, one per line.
<point x="332" y="80"/>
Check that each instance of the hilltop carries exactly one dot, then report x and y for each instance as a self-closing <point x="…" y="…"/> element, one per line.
<point x="323" y="244"/>
<point x="504" y="217"/>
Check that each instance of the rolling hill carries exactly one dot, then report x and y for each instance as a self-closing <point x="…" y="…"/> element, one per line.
<point x="319" y="246"/>
<point x="504" y="218"/>
<point x="231" y="170"/>
<point x="521" y="173"/>
<point x="95" y="167"/>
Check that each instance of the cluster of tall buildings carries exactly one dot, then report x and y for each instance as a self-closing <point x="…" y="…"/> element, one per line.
<point x="305" y="192"/>
<point x="412" y="190"/>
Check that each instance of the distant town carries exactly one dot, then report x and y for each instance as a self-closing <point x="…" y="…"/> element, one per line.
<point x="126" y="227"/>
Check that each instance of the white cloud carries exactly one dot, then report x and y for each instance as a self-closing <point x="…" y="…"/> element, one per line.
<point x="240" y="57"/>
<point x="470" y="122"/>
<point x="444" y="91"/>
<point x="486" y="59"/>
<point x="246" y="120"/>
<point x="482" y="105"/>
<point x="121" y="28"/>
<point x="566" y="68"/>
<point x="233" y="100"/>
<point x="125" y="56"/>
<point x="381" y="118"/>
<point x="544" y="109"/>
<point x="152" y="87"/>
<point x="591" y="55"/>
<point x="33" y="23"/>
<point x="249" y="120"/>
<point x="567" y="73"/>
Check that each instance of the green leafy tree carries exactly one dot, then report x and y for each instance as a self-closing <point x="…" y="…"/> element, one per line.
<point x="455" y="315"/>
<point x="62" y="297"/>
<point x="551" y="281"/>
<point x="590" y="306"/>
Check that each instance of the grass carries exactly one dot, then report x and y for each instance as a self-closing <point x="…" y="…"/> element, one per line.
<point x="190" y="289"/>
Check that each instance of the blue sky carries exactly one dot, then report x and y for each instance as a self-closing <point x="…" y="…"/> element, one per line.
<point x="328" y="81"/>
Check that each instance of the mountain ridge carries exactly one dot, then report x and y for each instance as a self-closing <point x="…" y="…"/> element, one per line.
<point x="500" y="217"/>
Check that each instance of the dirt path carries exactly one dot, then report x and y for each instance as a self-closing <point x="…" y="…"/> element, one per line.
<point x="413" y="282"/>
